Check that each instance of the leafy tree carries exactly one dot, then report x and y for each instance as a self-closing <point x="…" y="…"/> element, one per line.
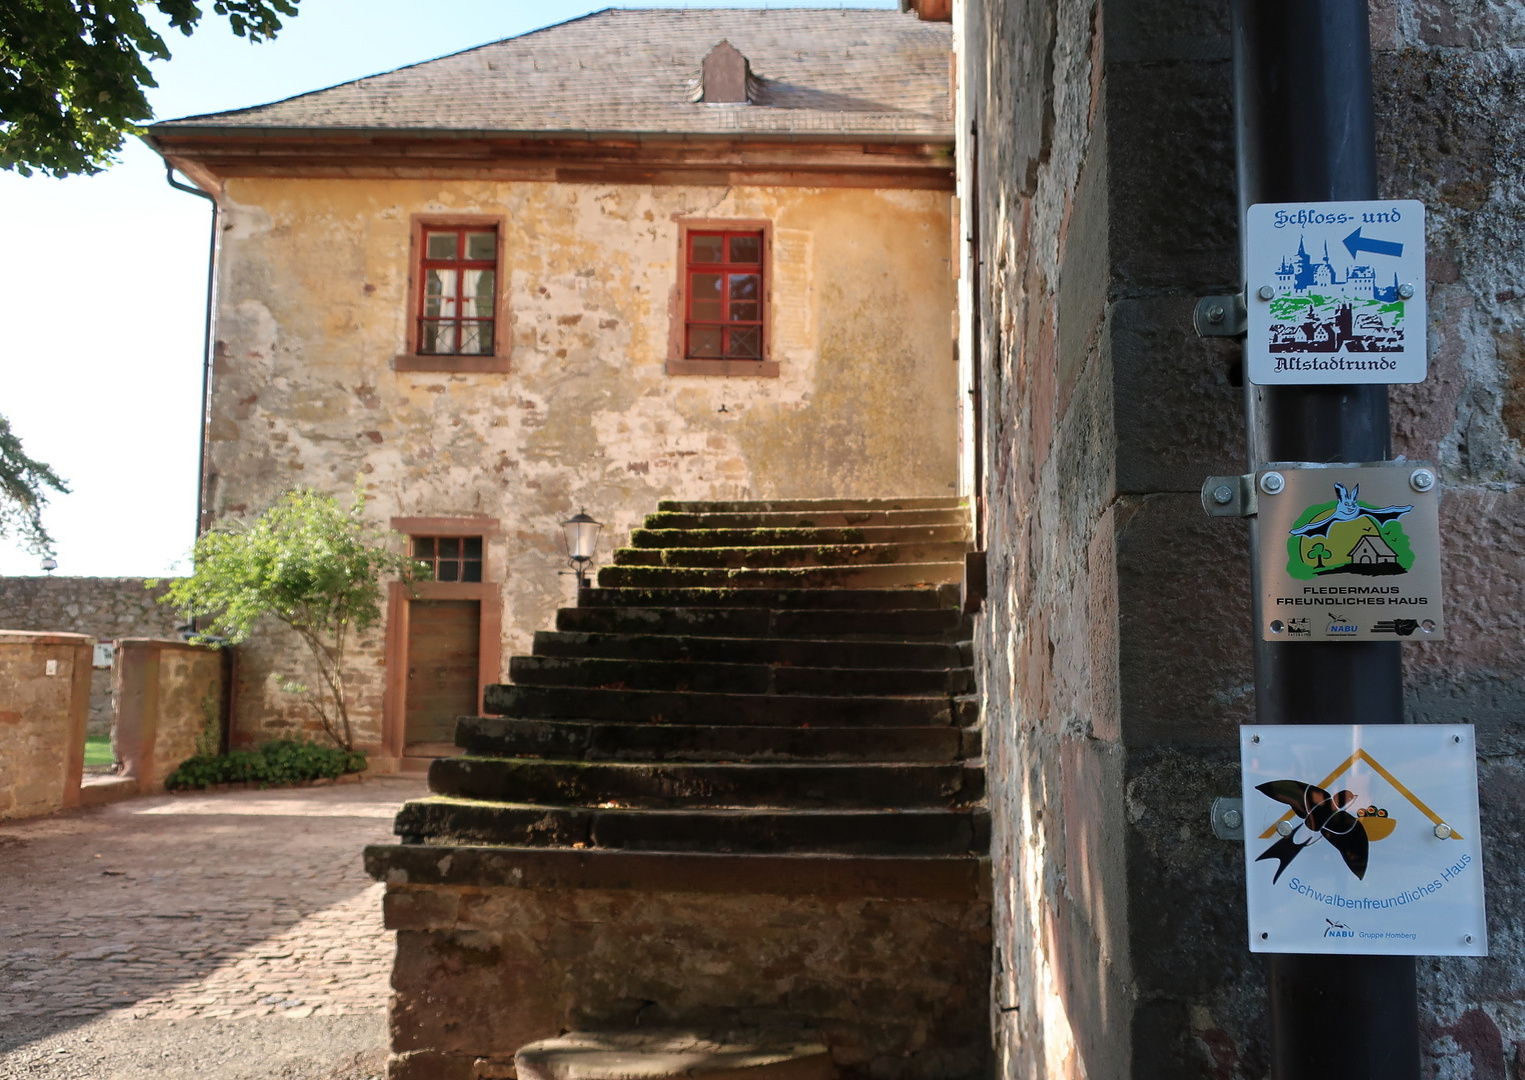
<point x="312" y="565"/>
<point x="73" y="73"/>
<point x="23" y="481"/>
<point x="1319" y="552"/>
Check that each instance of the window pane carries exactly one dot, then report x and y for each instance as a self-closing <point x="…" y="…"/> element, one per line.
<point x="477" y="293"/>
<point x="439" y="293"/>
<point x="471" y="570"/>
<point x="423" y="547"/>
<point x="745" y="343"/>
<point x="449" y="547"/>
<point x="744" y="289"/>
<point x="476" y="338"/>
<point x="704" y="290"/>
<point x="437" y="337"/>
<point x="471" y="547"/>
<point x="706" y="249"/>
<point x="704" y="341"/>
<point x="448" y="571"/>
<point x="440" y="245"/>
<point x="746" y="249"/>
<point x="481" y="245"/>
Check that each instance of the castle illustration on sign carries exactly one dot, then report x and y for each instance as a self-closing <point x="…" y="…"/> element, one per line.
<point x="1319" y="310"/>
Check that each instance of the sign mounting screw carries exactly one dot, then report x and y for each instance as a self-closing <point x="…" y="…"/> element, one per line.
<point x="1468" y="939"/>
<point x="1265" y="292"/>
<point x="1442" y="831"/>
<point x="1284" y="828"/>
<point x="1223" y="494"/>
<point x="1272" y="483"/>
<point x="1406" y="291"/>
<point x="1421" y="480"/>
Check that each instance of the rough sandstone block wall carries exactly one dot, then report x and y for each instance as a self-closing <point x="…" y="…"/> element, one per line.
<point x="1114" y="649"/>
<point x="104" y="608"/>
<point x="168" y="693"/>
<point x="869" y="976"/>
<point x="42" y="721"/>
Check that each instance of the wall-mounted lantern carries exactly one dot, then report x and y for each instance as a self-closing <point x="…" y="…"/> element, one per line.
<point x="580" y="536"/>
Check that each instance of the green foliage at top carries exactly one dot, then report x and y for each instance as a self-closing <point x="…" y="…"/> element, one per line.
<point x="23" y="484"/>
<point x="284" y="761"/>
<point x="311" y="564"/>
<point x="73" y="73"/>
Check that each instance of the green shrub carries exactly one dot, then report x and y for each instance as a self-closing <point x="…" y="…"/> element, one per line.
<point x="284" y="761"/>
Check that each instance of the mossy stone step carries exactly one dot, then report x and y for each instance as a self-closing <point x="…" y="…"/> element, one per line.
<point x="676" y="707"/>
<point x="927" y="624"/>
<point x="686" y="676"/>
<point x="813" y="519"/>
<point x="788" y="537"/>
<point x="794" y="555"/>
<point x="925" y="502"/>
<point x="797" y="652"/>
<point x="441" y="819"/>
<point x="806" y="577"/>
<point x="705" y="785"/>
<point x="928" y="597"/>
<point x="591" y="741"/>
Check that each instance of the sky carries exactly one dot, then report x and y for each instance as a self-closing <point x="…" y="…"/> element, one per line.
<point x="104" y="295"/>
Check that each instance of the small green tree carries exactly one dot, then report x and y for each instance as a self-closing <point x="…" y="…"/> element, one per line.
<point x="23" y="481"/>
<point x="1319" y="552"/>
<point x="309" y="563"/>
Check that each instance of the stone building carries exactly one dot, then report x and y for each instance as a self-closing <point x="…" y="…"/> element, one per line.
<point x="1097" y="186"/>
<point x="642" y="254"/>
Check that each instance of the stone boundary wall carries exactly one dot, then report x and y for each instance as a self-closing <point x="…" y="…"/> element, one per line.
<point x="44" y="698"/>
<point x="167" y="694"/>
<point x="106" y="608"/>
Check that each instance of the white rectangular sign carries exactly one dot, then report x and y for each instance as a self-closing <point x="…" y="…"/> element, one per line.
<point x="1363" y="839"/>
<point x="1335" y="292"/>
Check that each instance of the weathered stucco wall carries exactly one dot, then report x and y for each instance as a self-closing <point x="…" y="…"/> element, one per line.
<point x="104" y="608"/>
<point x="313" y="308"/>
<point x="42" y="720"/>
<point x="1114" y="650"/>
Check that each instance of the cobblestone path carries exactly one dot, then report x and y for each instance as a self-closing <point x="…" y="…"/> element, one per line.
<point x="233" y="906"/>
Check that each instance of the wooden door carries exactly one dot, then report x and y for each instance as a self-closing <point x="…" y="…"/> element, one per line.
<point x="444" y="647"/>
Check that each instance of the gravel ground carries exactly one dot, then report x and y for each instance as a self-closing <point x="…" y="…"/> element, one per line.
<point x="349" y="1047"/>
<point x="232" y="936"/>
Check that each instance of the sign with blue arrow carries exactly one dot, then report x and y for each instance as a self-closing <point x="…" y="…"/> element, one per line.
<point x="1335" y="292"/>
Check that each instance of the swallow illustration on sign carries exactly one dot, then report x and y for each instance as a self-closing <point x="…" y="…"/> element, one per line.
<point x="1324" y="817"/>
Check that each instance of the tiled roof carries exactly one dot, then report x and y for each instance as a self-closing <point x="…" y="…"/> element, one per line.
<point x="845" y="72"/>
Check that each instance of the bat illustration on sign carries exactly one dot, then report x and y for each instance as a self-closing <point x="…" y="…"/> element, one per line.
<point x="1324" y="817"/>
<point x="1348" y="509"/>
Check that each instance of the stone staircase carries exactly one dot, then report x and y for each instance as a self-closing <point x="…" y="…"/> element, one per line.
<point x="770" y="700"/>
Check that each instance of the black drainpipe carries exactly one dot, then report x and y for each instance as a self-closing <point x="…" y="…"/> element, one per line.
<point x="206" y="347"/>
<point x="1306" y="133"/>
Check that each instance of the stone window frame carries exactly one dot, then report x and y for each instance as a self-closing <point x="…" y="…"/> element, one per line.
<point x="488" y="593"/>
<point x="497" y="362"/>
<point x="680" y="364"/>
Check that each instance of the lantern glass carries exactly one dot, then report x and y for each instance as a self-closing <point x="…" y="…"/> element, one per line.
<point x="581" y="536"/>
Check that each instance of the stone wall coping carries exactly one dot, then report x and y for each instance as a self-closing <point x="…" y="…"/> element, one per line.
<point x="163" y="643"/>
<point x="43" y="637"/>
<point x="869" y="876"/>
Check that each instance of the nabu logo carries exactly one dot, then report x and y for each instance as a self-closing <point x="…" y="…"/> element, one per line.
<point x="1337" y="929"/>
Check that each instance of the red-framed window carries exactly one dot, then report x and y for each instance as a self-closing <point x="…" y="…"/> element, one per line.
<point x="450" y="558"/>
<point x="724" y="277"/>
<point x="458" y="297"/>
